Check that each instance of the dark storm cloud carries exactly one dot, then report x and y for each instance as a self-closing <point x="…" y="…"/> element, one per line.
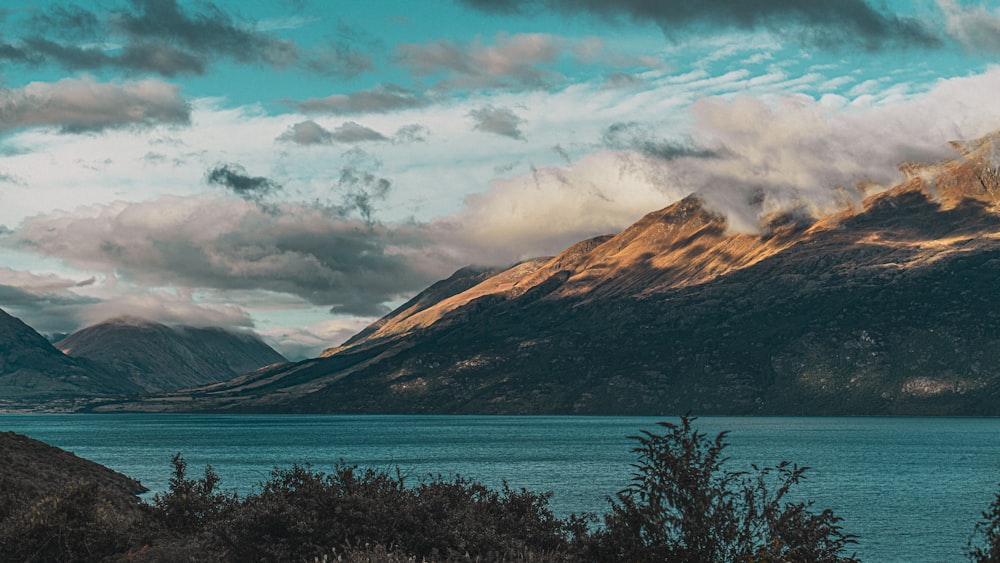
<point x="235" y="178"/>
<point x="634" y="136"/>
<point x="827" y="23"/>
<point x="499" y="121"/>
<point x="380" y="99"/>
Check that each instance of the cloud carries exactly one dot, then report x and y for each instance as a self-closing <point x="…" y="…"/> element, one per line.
<point x="311" y="133"/>
<point x="46" y="302"/>
<point x="299" y="343"/>
<point x="83" y="104"/>
<point x="413" y="133"/>
<point x="235" y="178"/>
<point x="824" y="23"/>
<point x="499" y="121"/>
<point x="524" y="60"/>
<point x="177" y="306"/>
<point x="623" y="80"/>
<point x="351" y="132"/>
<point x="380" y="99"/>
<point x="307" y="133"/>
<point x="542" y="213"/>
<point x="164" y="37"/>
<point x="55" y="305"/>
<point x="363" y="190"/>
<point x="339" y="59"/>
<point x="513" y="61"/>
<point x="212" y="31"/>
<point x="974" y="27"/>
<point x="215" y="243"/>
<point x="752" y="157"/>
<point x="638" y="137"/>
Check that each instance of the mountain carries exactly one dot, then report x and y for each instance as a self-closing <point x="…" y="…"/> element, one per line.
<point x="886" y="308"/>
<point x="159" y="358"/>
<point x="32" y="370"/>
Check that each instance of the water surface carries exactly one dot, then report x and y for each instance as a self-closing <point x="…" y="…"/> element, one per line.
<point x="911" y="488"/>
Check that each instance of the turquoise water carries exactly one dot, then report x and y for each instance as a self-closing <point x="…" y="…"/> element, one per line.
<point x="911" y="488"/>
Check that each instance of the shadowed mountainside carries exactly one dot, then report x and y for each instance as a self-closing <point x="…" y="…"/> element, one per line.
<point x="31" y="369"/>
<point x="159" y="358"/>
<point x="889" y="308"/>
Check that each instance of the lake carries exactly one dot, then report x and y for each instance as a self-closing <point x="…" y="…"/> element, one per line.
<point x="911" y="488"/>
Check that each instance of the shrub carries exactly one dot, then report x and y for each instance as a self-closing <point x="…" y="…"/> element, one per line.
<point x="75" y="524"/>
<point x="984" y="545"/>
<point x="301" y="514"/>
<point x="683" y="505"/>
<point x="190" y="505"/>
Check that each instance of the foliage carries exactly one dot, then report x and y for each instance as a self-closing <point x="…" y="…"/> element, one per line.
<point x="683" y="505"/>
<point x="75" y="524"/>
<point x="984" y="545"/>
<point x="301" y="513"/>
<point x="190" y="504"/>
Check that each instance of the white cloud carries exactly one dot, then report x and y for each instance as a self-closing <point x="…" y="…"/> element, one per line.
<point x="973" y="26"/>
<point x="83" y="104"/>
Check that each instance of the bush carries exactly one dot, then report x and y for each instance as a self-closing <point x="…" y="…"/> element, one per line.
<point x="683" y="505"/>
<point x="190" y="505"/>
<point x="76" y="524"/>
<point x="984" y="545"/>
<point x="301" y="514"/>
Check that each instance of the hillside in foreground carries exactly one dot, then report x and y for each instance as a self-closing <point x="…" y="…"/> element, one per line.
<point x="886" y="308"/>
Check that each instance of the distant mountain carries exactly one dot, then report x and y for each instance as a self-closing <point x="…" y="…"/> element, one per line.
<point x="890" y="308"/>
<point x="32" y="370"/>
<point x="157" y="358"/>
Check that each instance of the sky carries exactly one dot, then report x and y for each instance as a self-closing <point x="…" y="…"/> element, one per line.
<point x="299" y="168"/>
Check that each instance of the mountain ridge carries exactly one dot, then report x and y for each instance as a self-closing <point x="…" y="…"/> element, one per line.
<point x="883" y="308"/>
<point x="159" y="358"/>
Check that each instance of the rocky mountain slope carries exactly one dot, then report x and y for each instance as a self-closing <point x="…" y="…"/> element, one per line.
<point x="157" y="358"/>
<point x="887" y="308"/>
<point x="32" y="370"/>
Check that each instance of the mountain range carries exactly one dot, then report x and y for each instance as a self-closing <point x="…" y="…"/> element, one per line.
<point x="122" y="357"/>
<point x="161" y="358"/>
<point x="888" y="306"/>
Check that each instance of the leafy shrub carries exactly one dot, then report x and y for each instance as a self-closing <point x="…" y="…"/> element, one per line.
<point x="190" y="505"/>
<point x="984" y="545"/>
<point x="301" y="513"/>
<point x="683" y="505"/>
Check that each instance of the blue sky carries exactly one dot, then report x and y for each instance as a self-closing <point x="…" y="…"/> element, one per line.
<point x="299" y="167"/>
